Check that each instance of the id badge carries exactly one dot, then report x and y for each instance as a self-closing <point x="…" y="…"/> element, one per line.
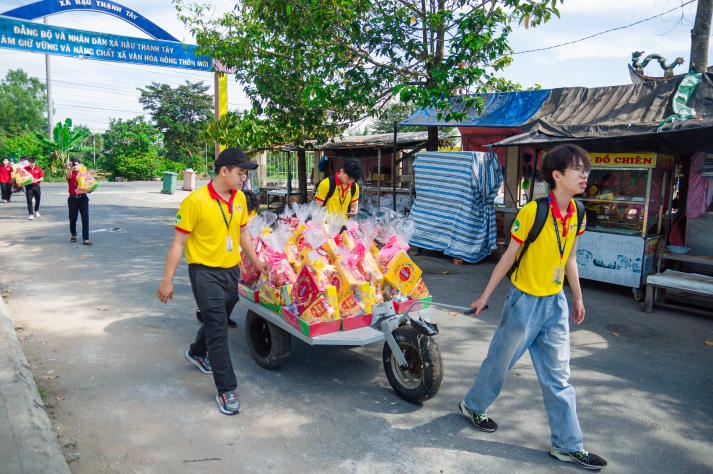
<point x="558" y="277"/>
<point x="229" y="243"/>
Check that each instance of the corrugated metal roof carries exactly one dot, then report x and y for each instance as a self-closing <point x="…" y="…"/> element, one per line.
<point x="403" y="140"/>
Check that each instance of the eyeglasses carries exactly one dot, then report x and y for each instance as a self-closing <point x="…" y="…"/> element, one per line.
<point x="580" y="171"/>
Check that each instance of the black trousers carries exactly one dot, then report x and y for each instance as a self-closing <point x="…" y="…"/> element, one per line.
<point x="33" y="191"/>
<point x="78" y="204"/>
<point x="216" y="293"/>
<point x="6" y="189"/>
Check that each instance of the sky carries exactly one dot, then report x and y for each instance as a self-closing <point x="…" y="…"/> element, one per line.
<point x="552" y="55"/>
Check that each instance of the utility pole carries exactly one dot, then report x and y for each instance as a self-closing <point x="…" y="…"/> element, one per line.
<point x="700" y="36"/>
<point x="50" y="112"/>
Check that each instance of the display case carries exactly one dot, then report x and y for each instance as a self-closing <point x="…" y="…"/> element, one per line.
<point x="628" y="197"/>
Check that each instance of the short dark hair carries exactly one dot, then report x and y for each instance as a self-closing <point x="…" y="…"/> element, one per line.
<point x="251" y="199"/>
<point x="562" y="157"/>
<point x="352" y="167"/>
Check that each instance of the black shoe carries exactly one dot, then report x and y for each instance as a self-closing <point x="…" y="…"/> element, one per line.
<point x="232" y="324"/>
<point x="480" y="421"/>
<point x="201" y="362"/>
<point x="581" y="458"/>
<point x="228" y="403"/>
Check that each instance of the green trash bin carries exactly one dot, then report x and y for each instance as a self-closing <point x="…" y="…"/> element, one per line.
<point x="169" y="182"/>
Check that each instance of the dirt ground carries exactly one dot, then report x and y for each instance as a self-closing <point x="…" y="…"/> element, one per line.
<point x="108" y="358"/>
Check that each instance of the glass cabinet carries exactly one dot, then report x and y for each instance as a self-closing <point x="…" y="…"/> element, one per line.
<point x="627" y="197"/>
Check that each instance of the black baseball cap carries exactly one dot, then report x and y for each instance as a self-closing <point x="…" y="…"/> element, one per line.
<point x="234" y="157"/>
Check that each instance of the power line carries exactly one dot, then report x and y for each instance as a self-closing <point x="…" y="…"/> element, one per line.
<point x="604" y="32"/>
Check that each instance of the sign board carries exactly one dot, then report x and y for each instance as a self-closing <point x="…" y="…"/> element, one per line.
<point x="630" y="160"/>
<point x="51" y="7"/>
<point x="618" y="259"/>
<point x="40" y="38"/>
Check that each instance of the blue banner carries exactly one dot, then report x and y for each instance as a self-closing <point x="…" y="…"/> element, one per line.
<point x="50" y="7"/>
<point x="40" y="38"/>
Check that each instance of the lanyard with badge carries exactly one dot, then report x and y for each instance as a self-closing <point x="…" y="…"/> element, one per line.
<point x="228" y="238"/>
<point x="558" y="277"/>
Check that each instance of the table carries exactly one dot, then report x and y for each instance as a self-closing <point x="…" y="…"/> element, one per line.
<point x="689" y="284"/>
<point x="706" y="260"/>
<point x="281" y="198"/>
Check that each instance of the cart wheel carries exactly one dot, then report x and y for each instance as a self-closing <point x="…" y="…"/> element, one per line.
<point x="638" y="294"/>
<point x="424" y="374"/>
<point x="268" y="344"/>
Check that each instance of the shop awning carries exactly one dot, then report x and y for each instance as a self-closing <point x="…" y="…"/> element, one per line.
<point x="614" y="118"/>
<point x="622" y="118"/>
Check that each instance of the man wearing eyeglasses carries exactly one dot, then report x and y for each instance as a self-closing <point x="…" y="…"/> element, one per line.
<point x="534" y="317"/>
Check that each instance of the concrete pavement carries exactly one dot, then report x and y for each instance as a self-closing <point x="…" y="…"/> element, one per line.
<point x="109" y="358"/>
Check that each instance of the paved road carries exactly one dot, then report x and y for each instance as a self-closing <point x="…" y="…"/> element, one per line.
<point x="109" y="359"/>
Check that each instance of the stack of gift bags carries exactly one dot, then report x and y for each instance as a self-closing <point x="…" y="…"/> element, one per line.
<point x="326" y="273"/>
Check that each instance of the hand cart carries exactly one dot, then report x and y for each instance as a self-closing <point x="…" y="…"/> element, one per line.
<point x="412" y="360"/>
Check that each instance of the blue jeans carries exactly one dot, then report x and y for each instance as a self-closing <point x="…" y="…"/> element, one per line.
<point x="540" y="325"/>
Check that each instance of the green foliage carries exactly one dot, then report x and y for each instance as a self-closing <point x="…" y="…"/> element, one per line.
<point x="66" y="140"/>
<point x="311" y="67"/>
<point x="15" y="146"/>
<point x="131" y="149"/>
<point x="23" y="101"/>
<point x="181" y="113"/>
<point x="393" y="113"/>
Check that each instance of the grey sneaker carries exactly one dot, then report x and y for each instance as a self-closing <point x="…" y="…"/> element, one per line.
<point x="30" y="217"/>
<point x="201" y="362"/>
<point x="480" y="421"/>
<point x="37" y="214"/>
<point x="228" y="403"/>
<point x="581" y="458"/>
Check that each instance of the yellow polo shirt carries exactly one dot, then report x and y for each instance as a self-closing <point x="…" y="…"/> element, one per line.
<point x="536" y="272"/>
<point x="340" y="201"/>
<point x="210" y="220"/>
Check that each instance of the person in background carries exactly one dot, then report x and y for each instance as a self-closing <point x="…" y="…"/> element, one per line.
<point x="211" y="226"/>
<point x="77" y="202"/>
<point x="6" y="180"/>
<point x="534" y="317"/>
<point x="340" y="193"/>
<point x="33" y="190"/>
<point x="252" y="201"/>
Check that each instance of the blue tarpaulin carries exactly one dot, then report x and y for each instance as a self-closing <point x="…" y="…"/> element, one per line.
<point x="511" y="109"/>
<point x="453" y="211"/>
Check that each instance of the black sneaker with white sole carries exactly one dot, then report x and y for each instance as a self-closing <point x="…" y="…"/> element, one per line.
<point x="201" y="362"/>
<point x="228" y="403"/>
<point x="480" y="421"/>
<point x="581" y="458"/>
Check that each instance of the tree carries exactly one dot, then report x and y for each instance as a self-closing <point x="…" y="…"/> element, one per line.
<point x="131" y="149"/>
<point x="23" y="100"/>
<point x="66" y="140"/>
<point x="181" y="113"/>
<point x="700" y="35"/>
<point x="20" y="144"/>
<point x="393" y="113"/>
<point x="337" y="61"/>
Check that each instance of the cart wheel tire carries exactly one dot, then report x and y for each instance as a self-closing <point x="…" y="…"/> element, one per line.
<point x="638" y="294"/>
<point x="269" y="345"/>
<point x="424" y="374"/>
